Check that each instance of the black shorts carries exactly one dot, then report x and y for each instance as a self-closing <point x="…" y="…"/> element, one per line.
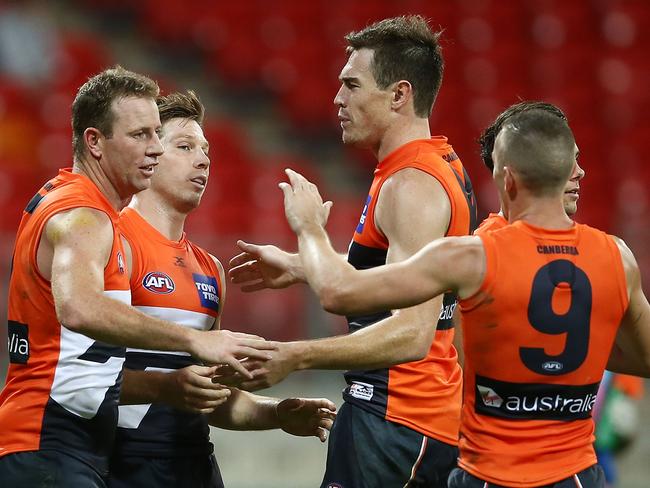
<point x="366" y="451"/>
<point x="592" y="477"/>
<point x="47" y="469"/>
<point x="172" y="472"/>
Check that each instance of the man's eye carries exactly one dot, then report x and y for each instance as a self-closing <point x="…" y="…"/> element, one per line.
<point x="184" y="147"/>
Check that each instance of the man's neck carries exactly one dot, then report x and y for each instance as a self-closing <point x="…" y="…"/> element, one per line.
<point x="545" y="212"/>
<point x="95" y="174"/>
<point x="159" y="214"/>
<point x="407" y="130"/>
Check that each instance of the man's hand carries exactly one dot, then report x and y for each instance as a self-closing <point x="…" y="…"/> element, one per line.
<point x="265" y="373"/>
<point x="306" y="417"/>
<point x="226" y="347"/>
<point x="303" y="205"/>
<point x="260" y="267"/>
<point x="191" y="389"/>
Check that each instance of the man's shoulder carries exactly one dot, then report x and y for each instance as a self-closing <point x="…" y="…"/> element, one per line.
<point x="491" y="223"/>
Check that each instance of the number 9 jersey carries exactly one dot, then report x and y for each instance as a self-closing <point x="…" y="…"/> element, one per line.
<point x="537" y="337"/>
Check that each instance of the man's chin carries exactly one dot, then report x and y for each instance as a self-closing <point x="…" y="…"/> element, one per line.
<point x="140" y="184"/>
<point x="350" y="140"/>
<point x="571" y="210"/>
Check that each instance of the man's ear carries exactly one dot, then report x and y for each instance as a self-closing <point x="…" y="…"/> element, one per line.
<point x="509" y="182"/>
<point x="93" y="139"/>
<point x="402" y="94"/>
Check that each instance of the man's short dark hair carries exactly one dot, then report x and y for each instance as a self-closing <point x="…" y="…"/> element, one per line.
<point x="181" y="105"/>
<point x="405" y="48"/>
<point x="487" y="138"/>
<point x="92" y="105"/>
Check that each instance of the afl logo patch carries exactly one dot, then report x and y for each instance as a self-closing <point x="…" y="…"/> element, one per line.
<point x="552" y="366"/>
<point x="158" y="282"/>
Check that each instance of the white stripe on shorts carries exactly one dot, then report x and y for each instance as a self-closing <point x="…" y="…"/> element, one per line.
<point x="416" y="465"/>
<point x="577" y="480"/>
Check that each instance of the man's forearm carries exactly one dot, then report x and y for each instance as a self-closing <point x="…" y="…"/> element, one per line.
<point x="403" y="337"/>
<point x="141" y="387"/>
<point x="324" y="269"/>
<point x="114" y="322"/>
<point x="320" y="262"/>
<point x="246" y="411"/>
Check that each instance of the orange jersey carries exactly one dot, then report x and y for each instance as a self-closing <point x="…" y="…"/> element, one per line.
<point x="494" y="221"/>
<point x="422" y="395"/>
<point x="62" y="387"/>
<point x="537" y="337"/>
<point x="179" y="282"/>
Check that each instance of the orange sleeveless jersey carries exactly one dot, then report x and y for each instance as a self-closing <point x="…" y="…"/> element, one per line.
<point x="537" y="337"/>
<point x="179" y="282"/>
<point x="422" y="395"/>
<point x="62" y="387"/>
<point x="494" y="221"/>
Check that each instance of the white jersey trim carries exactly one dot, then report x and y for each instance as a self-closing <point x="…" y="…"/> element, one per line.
<point x="80" y="386"/>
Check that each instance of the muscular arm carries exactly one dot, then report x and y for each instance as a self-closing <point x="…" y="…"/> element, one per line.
<point x="82" y="241"/>
<point x="412" y="210"/>
<point x="296" y="416"/>
<point x="73" y="253"/>
<point x="456" y="264"/>
<point x="246" y="411"/>
<point x="631" y="354"/>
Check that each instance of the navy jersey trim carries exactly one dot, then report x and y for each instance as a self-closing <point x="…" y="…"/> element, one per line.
<point x="468" y="192"/>
<point x="143" y="360"/>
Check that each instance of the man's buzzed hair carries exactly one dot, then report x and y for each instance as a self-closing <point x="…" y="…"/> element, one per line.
<point x="489" y="135"/>
<point x="540" y="147"/>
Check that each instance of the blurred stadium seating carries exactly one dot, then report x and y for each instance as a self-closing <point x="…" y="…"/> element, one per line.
<point x="588" y="56"/>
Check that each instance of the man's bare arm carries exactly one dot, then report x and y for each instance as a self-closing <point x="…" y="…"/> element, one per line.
<point x="631" y="353"/>
<point x="190" y="388"/>
<point x="446" y="264"/>
<point x="407" y="334"/>
<point x="79" y="242"/>
<point x="297" y="416"/>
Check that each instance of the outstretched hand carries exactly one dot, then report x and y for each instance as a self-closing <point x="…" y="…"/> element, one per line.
<point x="306" y="417"/>
<point x="265" y="373"/>
<point x="226" y="347"/>
<point x="303" y="205"/>
<point x="259" y="267"/>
